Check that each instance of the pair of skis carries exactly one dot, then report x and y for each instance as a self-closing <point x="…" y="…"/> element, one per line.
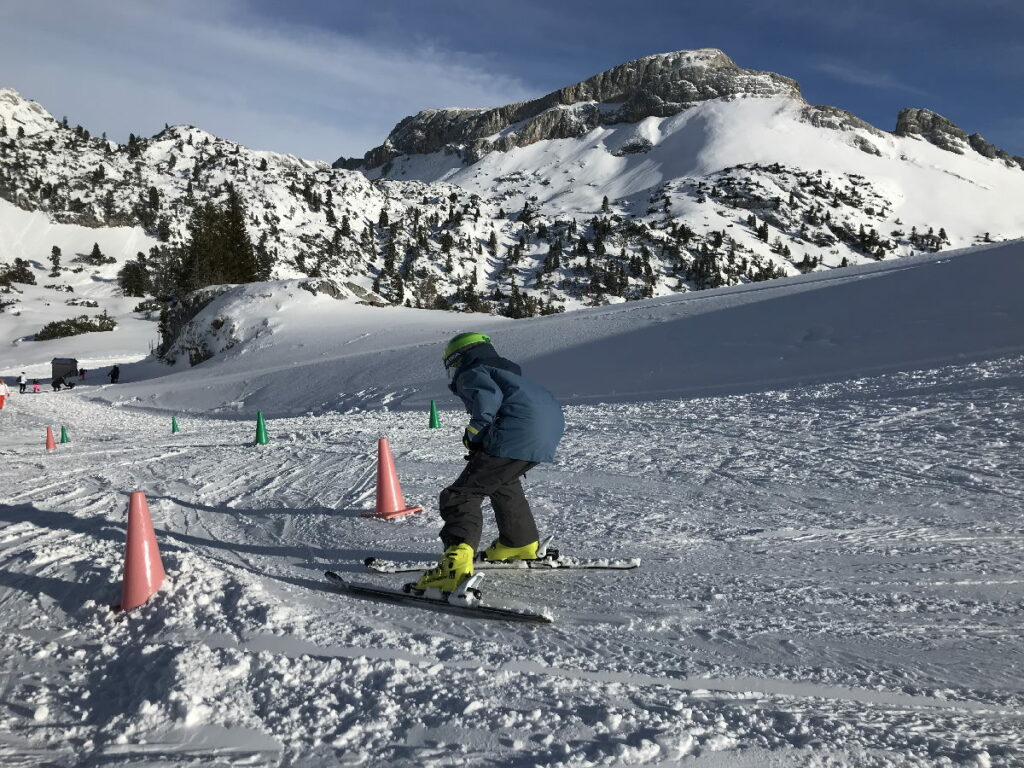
<point x="467" y="599"/>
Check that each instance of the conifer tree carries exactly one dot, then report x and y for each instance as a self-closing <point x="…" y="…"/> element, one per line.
<point x="134" y="279"/>
<point x="55" y="261"/>
<point x="201" y="256"/>
<point x="238" y="252"/>
<point x="20" y="272"/>
<point x="264" y="259"/>
<point x="96" y="257"/>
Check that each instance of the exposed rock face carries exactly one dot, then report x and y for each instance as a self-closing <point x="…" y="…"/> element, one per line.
<point x="987" y="149"/>
<point x="933" y="128"/>
<point x="657" y="86"/>
<point x="175" y="325"/>
<point x="947" y="135"/>
<point x="836" y="119"/>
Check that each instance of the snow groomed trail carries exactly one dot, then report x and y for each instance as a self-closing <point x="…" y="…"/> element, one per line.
<point x="831" y="576"/>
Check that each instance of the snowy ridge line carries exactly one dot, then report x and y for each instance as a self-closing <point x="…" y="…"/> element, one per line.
<point x="743" y="341"/>
<point x="790" y="284"/>
<point x="781" y="384"/>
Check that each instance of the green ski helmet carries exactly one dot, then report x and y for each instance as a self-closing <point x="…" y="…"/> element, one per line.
<point x="460" y="344"/>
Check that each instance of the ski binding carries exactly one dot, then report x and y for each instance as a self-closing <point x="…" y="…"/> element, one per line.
<point x="547" y="559"/>
<point x="550" y="561"/>
<point x="467" y="593"/>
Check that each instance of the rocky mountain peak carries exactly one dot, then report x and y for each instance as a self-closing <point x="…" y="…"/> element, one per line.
<point x="933" y="128"/>
<point x="653" y="86"/>
<point x="947" y="135"/>
<point x="17" y="112"/>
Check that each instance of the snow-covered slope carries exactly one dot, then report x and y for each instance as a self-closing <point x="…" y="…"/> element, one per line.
<point x="831" y="575"/>
<point x="904" y="181"/>
<point x="295" y="353"/>
<point x="78" y="289"/>
<point x="669" y="173"/>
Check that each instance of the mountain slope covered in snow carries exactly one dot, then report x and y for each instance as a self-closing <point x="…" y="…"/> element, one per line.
<point x="290" y="353"/>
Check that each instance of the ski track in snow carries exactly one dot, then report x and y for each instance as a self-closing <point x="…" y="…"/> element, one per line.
<point x="831" y="576"/>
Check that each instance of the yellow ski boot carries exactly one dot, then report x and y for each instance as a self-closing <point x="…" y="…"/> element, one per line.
<point x="499" y="553"/>
<point x="454" y="567"/>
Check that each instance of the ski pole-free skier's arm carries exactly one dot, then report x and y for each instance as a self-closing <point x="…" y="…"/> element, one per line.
<point x="483" y="398"/>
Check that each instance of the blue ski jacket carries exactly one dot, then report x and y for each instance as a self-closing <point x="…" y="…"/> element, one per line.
<point x="510" y="416"/>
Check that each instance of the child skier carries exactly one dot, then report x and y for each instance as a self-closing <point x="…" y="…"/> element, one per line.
<point x="514" y="424"/>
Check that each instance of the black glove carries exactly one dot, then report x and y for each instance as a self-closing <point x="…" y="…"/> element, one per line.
<point x="471" y="445"/>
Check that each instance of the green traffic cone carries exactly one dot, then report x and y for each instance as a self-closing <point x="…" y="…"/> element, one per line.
<point x="435" y="422"/>
<point x="175" y="429"/>
<point x="261" y="429"/>
<point x="64" y="435"/>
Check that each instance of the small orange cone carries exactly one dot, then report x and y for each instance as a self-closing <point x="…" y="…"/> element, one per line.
<point x="143" y="570"/>
<point x="390" y="503"/>
<point x="50" y="444"/>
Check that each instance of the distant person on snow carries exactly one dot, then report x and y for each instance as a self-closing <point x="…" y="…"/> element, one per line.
<point x="4" y="389"/>
<point x="81" y="374"/>
<point x="514" y="423"/>
<point x="114" y="375"/>
<point x="35" y="386"/>
<point x="22" y="383"/>
<point x="57" y="383"/>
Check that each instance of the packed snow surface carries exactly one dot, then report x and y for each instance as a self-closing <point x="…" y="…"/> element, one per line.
<point x="823" y="478"/>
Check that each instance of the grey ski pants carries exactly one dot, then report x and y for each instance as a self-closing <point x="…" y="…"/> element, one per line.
<point x="498" y="479"/>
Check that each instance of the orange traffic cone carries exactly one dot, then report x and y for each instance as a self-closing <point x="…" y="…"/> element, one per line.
<point x="390" y="503"/>
<point x="50" y="444"/>
<point x="143" y="570"/>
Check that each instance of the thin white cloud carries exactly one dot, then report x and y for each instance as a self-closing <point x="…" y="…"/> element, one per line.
<point x="851" y="73"/>
<point x="120" y="66"/>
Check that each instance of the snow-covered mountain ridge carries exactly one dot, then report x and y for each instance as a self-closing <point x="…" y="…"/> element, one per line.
<point x="661" y="85"/>
<point x="670" y="173"/>
<point x="653" y="86"/>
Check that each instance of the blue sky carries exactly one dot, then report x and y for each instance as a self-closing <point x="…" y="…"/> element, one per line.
<point x="324" y="78"/>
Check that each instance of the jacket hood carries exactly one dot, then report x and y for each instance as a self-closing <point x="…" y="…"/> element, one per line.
<point x="478" y="352"/>
<point x="482" y="354"/>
